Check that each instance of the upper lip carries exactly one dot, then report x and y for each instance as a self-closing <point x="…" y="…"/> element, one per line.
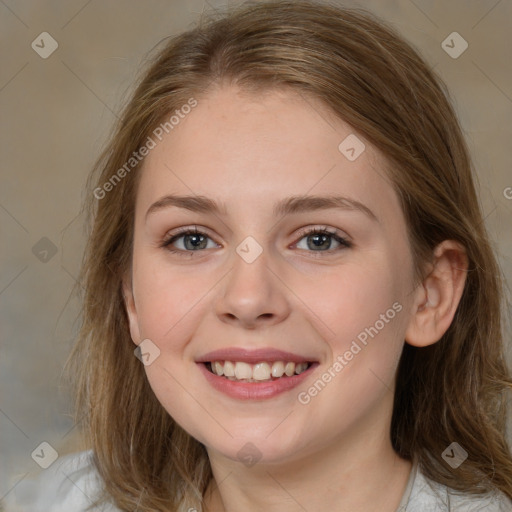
<point x="253" y="356"/>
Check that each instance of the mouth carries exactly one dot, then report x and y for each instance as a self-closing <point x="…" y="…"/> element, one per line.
<point x="255" y="374"/>
<point x="264" y="371"/>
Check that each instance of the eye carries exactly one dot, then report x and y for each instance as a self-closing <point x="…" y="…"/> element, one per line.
<point x="194" y="240"/>
<point x="319" y="238"/>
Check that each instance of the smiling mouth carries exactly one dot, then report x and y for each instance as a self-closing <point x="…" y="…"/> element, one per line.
<point x="260" y="372"/>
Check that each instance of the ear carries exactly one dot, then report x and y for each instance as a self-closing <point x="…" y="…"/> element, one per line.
<point x="129" y="303"/>
<point x="438" y="296"/>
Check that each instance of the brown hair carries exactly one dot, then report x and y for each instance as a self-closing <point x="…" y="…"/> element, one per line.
<point x="453" y="390"/>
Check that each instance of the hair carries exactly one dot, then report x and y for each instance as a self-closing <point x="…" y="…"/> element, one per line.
<point x="368" y="76"/>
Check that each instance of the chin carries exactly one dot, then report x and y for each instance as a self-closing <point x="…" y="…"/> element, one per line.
<point x="251" y="449"/>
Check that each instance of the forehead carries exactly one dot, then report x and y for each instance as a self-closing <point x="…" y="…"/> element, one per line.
<point x="247" y="149"/>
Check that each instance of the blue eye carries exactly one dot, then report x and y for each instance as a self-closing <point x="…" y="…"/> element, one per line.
<point x="322" y="237"/>
<point x="195" y="240"/>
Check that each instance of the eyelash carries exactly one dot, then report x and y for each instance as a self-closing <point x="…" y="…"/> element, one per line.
<point x="344" y="243"/>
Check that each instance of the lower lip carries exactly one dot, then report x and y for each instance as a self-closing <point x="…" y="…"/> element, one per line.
<point x="255" y="390"/>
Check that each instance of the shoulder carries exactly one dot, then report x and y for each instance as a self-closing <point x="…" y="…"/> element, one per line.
<point x="71" y="483"/>
<point x="429" y="496"/>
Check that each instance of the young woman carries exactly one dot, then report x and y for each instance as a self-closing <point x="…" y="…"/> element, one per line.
<point x="291" y="302"/>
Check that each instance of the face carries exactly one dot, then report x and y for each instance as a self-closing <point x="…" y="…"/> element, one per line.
<point x="326" y="283"/>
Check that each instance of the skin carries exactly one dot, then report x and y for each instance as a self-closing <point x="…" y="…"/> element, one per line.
<point x="249" y="152"/>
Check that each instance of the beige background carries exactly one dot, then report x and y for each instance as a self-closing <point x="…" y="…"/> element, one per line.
<point x="56" y="113"/>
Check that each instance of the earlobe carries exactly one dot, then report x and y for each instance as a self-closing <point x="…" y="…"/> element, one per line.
<point x="438" y="296"/>
<point x="131" y="311"/>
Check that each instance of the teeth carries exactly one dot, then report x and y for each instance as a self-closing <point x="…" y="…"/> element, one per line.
<point x="289" y="369"/>
<point x="229" y="368"/>
<point x="219" y="369"/>
<point x="301" y="367"/>
<point x="263" y="371"/>
<point x="243" y="371"/>
<point x="278" y="369"/>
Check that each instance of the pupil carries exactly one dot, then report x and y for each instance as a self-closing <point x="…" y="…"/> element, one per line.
<point x="317" y="237"/>
<point x="196" y="242"/>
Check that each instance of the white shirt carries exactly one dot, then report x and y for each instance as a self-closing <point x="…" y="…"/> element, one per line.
<point x="69" y="482"/>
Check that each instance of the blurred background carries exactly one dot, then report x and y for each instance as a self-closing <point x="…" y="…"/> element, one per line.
<point x="67" y="68"/>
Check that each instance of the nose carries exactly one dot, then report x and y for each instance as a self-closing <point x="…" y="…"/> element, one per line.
<point x="253" y="295"/>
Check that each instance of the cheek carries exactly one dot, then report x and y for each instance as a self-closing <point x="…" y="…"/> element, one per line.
<point x="167" y="299"/>
<point x="354" y="299"/>
<point x="365" y="314"/>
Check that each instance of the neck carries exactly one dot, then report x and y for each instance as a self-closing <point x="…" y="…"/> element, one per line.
<point x="359" y="472"/>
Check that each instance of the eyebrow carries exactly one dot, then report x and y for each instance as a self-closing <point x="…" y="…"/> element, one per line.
<point x="287" y="206"/>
